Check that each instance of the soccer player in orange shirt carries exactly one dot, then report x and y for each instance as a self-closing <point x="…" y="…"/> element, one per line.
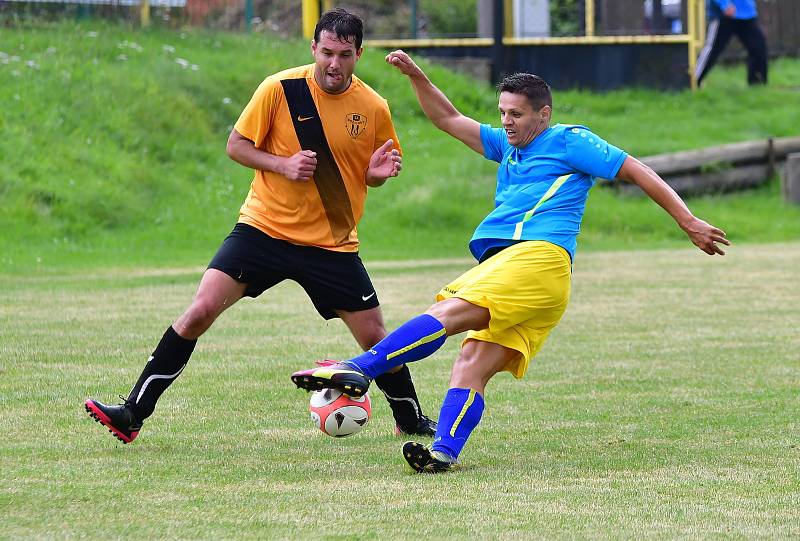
<point x="317" y="136"/>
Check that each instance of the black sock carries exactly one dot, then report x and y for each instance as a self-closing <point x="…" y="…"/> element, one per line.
<point x="399" y="391"/>
<point x="165" y="364"/>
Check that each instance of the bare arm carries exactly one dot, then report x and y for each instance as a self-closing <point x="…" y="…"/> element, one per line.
<point x="435" y="104"/>
<point x="242" y="150"/>
<point x="705" y="236"/>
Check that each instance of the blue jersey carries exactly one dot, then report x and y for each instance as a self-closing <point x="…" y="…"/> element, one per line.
<point x="745" y="9"/>
<point x="542" y="188"/>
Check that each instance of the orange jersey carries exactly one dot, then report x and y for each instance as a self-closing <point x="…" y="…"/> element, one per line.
<point x="324" y="211"/>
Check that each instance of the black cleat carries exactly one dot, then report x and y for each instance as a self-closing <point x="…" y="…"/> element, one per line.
<point x="119" y="419"/>
<point x="339" y="376"/>
<point x="423" y="460"/>
<point x="424" y="427"/>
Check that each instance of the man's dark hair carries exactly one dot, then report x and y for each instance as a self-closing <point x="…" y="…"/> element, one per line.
<point x="531" y="86"/>
<point x="343" y="24"/>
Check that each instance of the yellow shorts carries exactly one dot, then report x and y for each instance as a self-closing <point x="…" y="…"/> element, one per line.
<point x="525" y="287"/>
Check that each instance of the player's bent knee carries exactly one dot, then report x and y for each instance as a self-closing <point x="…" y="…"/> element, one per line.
<point x="469" y="373"/>
<point x="373" y="338"/>
<point x="197" y="319"/>
<point x="458" y="315"/>
<point x="204" y="313"/>
<point x="478" y="362"/>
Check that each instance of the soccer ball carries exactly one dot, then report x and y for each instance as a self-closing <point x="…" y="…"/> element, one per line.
<point x="337" y="414"/>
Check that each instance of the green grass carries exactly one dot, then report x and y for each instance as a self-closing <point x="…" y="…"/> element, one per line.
<point x="113" y="154"/>
<point x="664" y="405"/>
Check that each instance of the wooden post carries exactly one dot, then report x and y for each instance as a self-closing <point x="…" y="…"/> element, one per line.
<point x="144" y="13"/>
<point x="791" y="179"/>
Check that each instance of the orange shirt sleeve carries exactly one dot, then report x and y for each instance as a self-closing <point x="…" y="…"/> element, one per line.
<point x="258" y="116"/>
<point x="384" y="129"/>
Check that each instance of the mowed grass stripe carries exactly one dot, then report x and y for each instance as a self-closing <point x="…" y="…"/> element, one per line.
<point x="664" y="405"/>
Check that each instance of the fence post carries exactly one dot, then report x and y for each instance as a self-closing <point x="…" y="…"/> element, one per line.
<point x="144" y="13"/>
<point x="589" y="18"/>
<point x="413" y="22"/>
<point x="310" y="17"/>
<point x="248" y="15"/>
<point x="791" y="179"/>
<point x="498" y="49"/>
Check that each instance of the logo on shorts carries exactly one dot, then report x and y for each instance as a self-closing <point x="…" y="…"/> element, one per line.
<point x="355" y="124"/>
<point x="451" y="291"/>
<point x="367" y="297"/>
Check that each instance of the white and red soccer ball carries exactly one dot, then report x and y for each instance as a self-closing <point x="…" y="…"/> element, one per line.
<point x="337" y="414"/>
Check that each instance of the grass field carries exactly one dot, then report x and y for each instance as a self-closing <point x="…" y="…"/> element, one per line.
<point x="665" y="405"/>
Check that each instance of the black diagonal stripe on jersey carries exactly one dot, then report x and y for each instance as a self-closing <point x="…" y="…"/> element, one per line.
<point x="327" y="176"/>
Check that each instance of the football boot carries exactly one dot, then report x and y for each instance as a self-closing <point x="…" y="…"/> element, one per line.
<point x="120" y="419"/>
<point x="339" y="376"/>
<point x="424" y="427"/>
<point x="423" y="460"/>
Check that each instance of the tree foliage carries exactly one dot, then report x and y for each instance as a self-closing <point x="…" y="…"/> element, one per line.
<point x="565" y="17"/>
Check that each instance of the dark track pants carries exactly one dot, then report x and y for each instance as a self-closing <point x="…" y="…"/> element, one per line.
<point x="719" y="34"/>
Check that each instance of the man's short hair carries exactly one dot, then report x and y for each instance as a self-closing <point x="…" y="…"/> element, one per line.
<point x="343" y="24"/>
<point x="531" y="86"/>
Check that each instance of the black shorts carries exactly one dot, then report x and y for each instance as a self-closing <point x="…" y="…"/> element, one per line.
<point x="333" y="280"/>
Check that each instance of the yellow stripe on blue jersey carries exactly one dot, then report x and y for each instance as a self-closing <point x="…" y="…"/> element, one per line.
<point x="548" y="194"/>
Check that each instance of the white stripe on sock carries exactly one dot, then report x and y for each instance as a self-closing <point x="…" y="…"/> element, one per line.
<point x="413" y="403"/>
<point x="155" y="377"/>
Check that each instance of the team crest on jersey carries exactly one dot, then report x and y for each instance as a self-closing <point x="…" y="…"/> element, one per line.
<point x="355" y="123"/>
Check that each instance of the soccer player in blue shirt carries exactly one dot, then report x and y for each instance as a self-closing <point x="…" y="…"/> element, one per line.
<point x="518" y="292"/>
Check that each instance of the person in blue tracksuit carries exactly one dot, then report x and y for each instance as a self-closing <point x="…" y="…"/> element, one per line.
<point x="726" y="19"/>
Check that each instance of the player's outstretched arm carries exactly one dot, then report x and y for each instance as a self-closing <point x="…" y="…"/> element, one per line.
<point x="435" y="104"/>
<point x="704" y="235"/>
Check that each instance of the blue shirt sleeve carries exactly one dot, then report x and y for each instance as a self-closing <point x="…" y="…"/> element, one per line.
<point x="494" y="142"/>
<point x="587" y="153"/>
